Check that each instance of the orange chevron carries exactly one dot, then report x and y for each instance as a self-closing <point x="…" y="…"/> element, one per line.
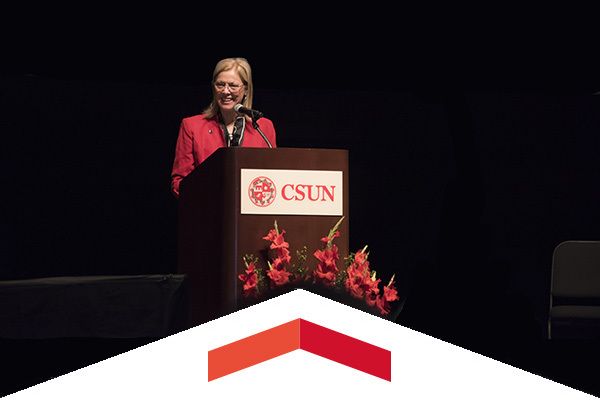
<point x="299" y="334"/>
<point x="253" y="350"/>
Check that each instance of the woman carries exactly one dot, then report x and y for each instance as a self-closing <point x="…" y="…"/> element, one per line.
<point x="220" y="125"/>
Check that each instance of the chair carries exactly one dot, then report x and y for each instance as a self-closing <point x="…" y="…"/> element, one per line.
<point x="575" y="290"/>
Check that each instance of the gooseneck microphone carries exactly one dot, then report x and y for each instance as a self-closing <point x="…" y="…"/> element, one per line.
<point x="253" y="114"/>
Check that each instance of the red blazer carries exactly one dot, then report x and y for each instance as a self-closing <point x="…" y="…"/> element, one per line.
<point x="199" y="137"/>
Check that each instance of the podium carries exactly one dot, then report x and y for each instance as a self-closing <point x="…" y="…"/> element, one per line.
<point x="230" y="202"/>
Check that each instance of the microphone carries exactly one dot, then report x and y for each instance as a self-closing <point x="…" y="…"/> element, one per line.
<point x="254" y="114"/>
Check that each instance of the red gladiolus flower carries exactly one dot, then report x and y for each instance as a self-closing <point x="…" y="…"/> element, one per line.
<point x="327" y="258"/>
<point x="353" y="288"/>
<point x="371" y="298"/>
<point x="278" y="264"/>
<point x="361" y="284"/>
<point x="279" y="241"/>
<point x="389" y="294"/>
<point x="358" y="270"/>
<point x="271" y="235"/>
<point x="283" y="254"/>
<point x="326" y="270"/>
<point x="327" y="239"/>
<point x="277" y="273"/>
<point x="360" y="257"/>
<point x="326" y="279"/>
<point x="279" y="277"/>
<point x="250" y="281"/>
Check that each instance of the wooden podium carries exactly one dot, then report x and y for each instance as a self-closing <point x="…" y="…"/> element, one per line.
<point x="216" y="229"/>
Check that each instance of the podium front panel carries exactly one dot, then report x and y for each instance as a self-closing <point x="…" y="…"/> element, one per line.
<point x="214" y="234"/>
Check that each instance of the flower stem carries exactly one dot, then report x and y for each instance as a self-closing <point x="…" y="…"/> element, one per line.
<point x="335" y="228"/>
<point x="391" y="280"/>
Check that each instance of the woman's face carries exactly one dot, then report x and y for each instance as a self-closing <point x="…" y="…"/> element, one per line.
<point x="229" y="89"/>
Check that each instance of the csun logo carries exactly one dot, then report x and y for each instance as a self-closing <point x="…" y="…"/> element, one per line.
<point x="262" y="191"/>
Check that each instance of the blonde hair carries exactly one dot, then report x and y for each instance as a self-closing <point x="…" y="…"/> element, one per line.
<point x="244" y="71"/>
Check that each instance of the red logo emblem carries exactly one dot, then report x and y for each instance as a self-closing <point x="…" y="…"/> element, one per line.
<point x="262" y="191"/>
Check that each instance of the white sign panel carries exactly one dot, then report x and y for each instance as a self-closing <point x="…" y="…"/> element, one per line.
<point x="291" y="192"/>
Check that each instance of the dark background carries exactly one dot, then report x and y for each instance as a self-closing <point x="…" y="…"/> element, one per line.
<point x="469" y="163"/>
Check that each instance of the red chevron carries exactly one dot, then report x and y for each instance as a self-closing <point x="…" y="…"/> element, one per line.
<point x="299" y="334"/>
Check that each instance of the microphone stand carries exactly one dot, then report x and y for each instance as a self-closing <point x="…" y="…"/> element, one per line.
<point x="255" y="126"/>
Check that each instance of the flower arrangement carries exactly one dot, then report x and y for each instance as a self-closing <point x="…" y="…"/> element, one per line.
<point x="356" y="279"/>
